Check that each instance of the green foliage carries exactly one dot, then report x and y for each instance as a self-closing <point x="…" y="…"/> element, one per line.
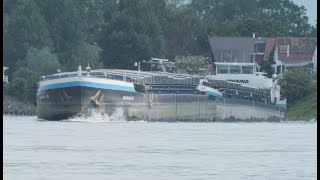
<point x="259" y="24"/>
<point x="191" y="64"/>
<point x="296" y="84"/>
<point x="23" y="85"/>
<point x="183" y="33"/>
<point x="133" y="33"/>
<point x="225" y="11"/>
<point x="41" y="61"/>
<point x="285" y="13"/>
<point x="266" y="65"/>
<point x="27" y="28"/>
<point x="305" y="109"/>
<point x="87" y="55"/>
<point x="6" y="89"/>
<point x="67" y="25"/>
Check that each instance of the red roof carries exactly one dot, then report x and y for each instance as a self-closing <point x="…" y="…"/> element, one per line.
<point x="270" y="43"/>
<point x="295" y="57"/>
<point x="300" y="49"/>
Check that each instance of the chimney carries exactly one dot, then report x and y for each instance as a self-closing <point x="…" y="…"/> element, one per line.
<point x="288" y="52"/>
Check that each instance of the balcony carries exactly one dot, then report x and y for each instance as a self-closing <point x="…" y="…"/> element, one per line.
<point x="5" y="79"/>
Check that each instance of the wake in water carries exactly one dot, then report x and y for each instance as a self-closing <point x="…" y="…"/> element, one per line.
<point x="93" y="115"/>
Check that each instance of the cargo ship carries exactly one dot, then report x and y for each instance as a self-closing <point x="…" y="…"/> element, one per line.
<point x="155" y="95"/>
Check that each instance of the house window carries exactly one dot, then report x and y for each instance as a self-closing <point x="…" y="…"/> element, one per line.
<point x="259" y="47"/>
<point x="283" y="69"/>
<point x="278" y="69"/>
<point x="227" y="55"/>
<point x="283" y="49"/>
<point x="237" y="56"/>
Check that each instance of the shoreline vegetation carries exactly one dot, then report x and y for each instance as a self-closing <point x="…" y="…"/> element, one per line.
<point x="305" y="109"/>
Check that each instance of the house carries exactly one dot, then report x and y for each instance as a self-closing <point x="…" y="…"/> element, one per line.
<point x="286" y="52"/>
<point x="294" y="51"/>
<point x="232" y="49"/>
<point x="5" y="78"/>
<point x="241" y="49"/>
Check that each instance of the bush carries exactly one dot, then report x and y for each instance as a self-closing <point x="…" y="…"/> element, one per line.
<point x="296" y="84"/>
<point x="24" y="85"/>
<point x="86" y="55"/>
<point x="42" y="61"/>
<point x="191" y="64"/>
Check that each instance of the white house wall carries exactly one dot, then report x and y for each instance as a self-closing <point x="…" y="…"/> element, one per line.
<point x="314" y="60"/>
<point x="275" y="56"/>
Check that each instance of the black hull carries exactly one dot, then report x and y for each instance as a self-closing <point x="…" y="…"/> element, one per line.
<point x="63" y="103"/>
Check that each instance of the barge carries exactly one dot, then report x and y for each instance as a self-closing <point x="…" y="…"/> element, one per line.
<point x="153" y="96"/>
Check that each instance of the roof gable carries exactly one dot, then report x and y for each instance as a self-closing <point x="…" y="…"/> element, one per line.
<point x="240" y="48"/>
<point x="296" y="48"/>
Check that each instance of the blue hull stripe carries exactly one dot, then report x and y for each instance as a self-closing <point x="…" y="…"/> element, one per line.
<point x="213" y="94"/>
<point x="87" y="84"/>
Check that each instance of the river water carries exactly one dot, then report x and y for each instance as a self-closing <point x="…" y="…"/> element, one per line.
<point x="103" y="149"/>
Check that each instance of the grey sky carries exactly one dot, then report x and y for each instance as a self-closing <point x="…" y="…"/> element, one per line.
<point x="311" y="6"/>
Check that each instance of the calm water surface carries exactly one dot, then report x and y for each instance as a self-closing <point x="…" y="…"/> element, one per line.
<point x="73" y="150"/>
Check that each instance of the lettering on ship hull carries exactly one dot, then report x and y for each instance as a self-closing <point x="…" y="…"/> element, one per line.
<point x="128" y="98"/>
<point x="238" y="80"/>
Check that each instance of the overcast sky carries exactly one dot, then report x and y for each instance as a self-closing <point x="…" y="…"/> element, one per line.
<point x="311" y="6"/>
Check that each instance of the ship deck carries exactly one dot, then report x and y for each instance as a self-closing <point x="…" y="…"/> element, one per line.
<point x="167" y="83"/>
<point x="139" y="77"/>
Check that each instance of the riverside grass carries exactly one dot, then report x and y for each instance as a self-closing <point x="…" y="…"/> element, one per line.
<point x="305" y="109"/>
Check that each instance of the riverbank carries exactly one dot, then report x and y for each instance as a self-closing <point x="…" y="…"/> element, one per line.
<point x="15" y="107"/>
<point x="305" y="109"/>
<point x="302" y="110"/>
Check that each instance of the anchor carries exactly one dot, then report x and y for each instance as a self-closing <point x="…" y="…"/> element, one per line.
<point x="96" y="100"/>
<point x="65" y="97"/>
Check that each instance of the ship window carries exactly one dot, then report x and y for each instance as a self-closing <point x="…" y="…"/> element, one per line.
<point x="247" y="70"/>
<point x="222" y="69"/>
<point x="235" y="69"/>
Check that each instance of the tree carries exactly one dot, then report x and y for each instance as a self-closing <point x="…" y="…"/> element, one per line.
<point x="260" y="25"/>
<point x="191" y="64"/>
<point x="24" y="85"/>
<point x="93" y="11"/>
<point x="182" y="33"/>
<point x="266" y="65"/>
<point x="132" y="33"/>
<point x="313" y="32"/>
<point x="27" y="28"/>
<point x="290" y="16"/>
<point x="88" y="55"/>
<point x="296" y="84"/>
<point x="224" y="11"/>
<point x="264" y="17"/>
<point x="41" y="61"/>
<point x="67" y="24"/>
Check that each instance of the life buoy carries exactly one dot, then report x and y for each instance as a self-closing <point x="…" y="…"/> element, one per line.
<point x="88" y="69"/>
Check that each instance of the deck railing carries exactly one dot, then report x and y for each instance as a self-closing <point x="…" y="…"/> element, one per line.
<point x="5" y="79"/>
<point x="129" y="77"/>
